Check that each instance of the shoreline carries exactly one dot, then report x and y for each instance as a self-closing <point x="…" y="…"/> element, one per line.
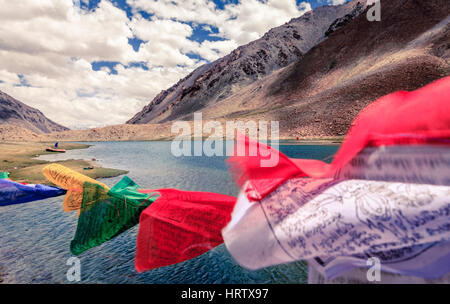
<point x="144" y="132"/>
<point x="19" y="158"/>
<point x="284" y="140"/>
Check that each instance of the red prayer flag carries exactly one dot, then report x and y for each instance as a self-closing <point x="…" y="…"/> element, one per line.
<point x="180" y="225"/>
<point x="401" y="118"/>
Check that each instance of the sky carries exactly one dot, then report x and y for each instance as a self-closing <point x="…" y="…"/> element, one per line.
<point x="93" y="63"/>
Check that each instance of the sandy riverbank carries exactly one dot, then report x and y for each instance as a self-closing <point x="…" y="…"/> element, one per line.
<point x="127" y="132"/>
<point x="19" y="158"/>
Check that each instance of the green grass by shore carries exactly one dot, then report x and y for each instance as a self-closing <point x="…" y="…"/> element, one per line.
<point x="19" y="158"/>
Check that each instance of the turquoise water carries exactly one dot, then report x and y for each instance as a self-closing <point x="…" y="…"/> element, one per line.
<point x="35" y="237"/>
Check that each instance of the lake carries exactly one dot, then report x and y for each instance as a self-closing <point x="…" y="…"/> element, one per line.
<point x="35" y="237"/>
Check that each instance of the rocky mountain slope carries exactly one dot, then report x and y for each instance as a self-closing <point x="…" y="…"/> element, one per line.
<point x="321" y="93"/>
<point x="341" y="63"/>
<point x="278" y="48"/>
<point x="20" y="116"/>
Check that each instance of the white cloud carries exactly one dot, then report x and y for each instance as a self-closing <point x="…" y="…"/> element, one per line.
<point x="52" y="45"/>
<point x="240" y="23"/>
<point x="200" y="11"/>
<point x="166" y="44"/>
<point x="8" y="77"/>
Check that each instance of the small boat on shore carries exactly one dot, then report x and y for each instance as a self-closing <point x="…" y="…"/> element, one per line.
<point x="55" y="150"/>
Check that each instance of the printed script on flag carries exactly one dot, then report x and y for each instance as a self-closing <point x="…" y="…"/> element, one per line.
<point x="397" y="199"/>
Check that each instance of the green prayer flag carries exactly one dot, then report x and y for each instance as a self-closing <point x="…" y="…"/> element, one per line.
<point x="4" y="175"/>
<point x="106" y="214"/>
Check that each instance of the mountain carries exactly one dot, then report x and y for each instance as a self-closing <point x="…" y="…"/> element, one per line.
<point x="323" y="92"/>
<point x="316" y="81"/>
<point x="216" y="81"/>
<point x="18" y="114"/>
